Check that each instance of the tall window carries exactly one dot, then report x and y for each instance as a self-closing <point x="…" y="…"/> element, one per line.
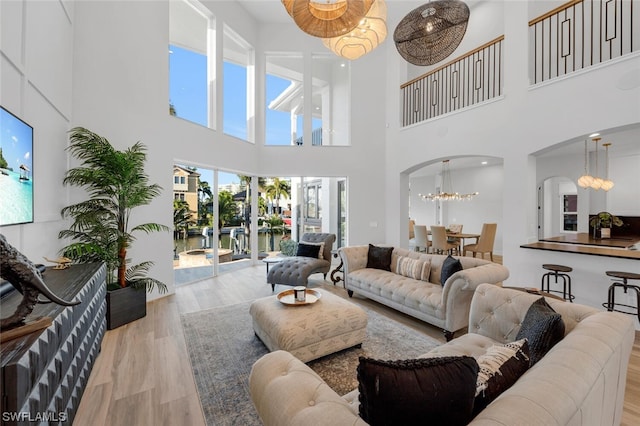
<point x="570" y="213"/>
<point x="330" y="100"/>
<point x="190" y="76"/>
<point x="284" y="99"/>
<point x="312" y="207"/>
<point x="239" y="89"/>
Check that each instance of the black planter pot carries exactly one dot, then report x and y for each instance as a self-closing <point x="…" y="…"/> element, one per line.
<point x="125" y="305"/>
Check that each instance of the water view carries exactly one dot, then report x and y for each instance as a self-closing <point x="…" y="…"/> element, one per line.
<point x="236" y="245"/>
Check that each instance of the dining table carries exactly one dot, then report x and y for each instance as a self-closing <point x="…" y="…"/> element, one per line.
<point x="460" y="237"/>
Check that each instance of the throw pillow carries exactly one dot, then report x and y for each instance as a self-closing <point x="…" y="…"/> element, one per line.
<point x="450" y="266"/>
<point x="434" y="391"/>
<point x="379" y="257"/>
<point x="413" y="268"/>
<point x="288" y="247"/>
<point x="308" y="250"/>
<point x="542" y="327"/>
<point x="321" y="245"/>
<point x="500" y="367"/>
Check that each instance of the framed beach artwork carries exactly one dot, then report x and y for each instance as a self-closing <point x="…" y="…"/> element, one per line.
<point x="16" y="169"/>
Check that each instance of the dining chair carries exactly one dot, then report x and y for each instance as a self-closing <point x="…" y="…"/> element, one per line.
<point x="421" y="238"/>
<point x="454" y="228"/>
<point x="439" y="241"/>
<point x="485" y="241"/>
<point x="412" y="223"/>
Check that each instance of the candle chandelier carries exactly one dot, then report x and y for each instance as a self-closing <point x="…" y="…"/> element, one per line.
<point x="595" y="182"/>
<point x="446" y="193"/>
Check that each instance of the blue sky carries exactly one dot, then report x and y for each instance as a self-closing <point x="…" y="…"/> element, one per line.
<point x="188" y="94"/>
<point x="16" y="141"/>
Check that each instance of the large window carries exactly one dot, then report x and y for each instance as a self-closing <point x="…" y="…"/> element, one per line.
<point x="330" y="100"/>
<point x="284" y="99"/>
<point x="239" y="91"/>
<point x="190" y="76"/>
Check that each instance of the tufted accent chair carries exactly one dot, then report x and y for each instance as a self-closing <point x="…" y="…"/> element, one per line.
<point x="295" y="270"/>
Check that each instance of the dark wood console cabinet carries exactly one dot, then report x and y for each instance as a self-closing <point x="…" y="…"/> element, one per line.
<point x="44" y="373"/>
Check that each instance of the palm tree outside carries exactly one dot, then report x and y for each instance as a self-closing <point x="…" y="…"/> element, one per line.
<point x="277" y="189"/>
<point x="182" y="219"/>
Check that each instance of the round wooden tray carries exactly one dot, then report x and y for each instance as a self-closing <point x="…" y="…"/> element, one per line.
<point x="288" y="297"/>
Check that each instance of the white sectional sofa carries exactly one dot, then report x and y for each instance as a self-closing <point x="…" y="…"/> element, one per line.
<point x="580" y="381"/>
<point x="445" y="306"/>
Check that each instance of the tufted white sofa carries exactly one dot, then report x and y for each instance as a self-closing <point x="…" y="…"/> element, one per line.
<point x="580" y="381"/>
<point x="445" y="307"/>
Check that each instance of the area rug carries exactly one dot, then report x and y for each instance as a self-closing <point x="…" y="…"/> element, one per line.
<point x="222" y="347"/>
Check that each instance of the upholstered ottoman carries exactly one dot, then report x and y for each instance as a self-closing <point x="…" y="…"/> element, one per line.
<point x="309" y="331"/>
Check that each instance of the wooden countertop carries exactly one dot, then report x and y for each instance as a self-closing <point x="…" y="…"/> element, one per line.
<point x="584" y="238"/>
<point x="584" y="249"/>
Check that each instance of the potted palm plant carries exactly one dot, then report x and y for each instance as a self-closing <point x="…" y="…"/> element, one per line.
<point x="100" y="228"/>
<point x="603" y="222"/>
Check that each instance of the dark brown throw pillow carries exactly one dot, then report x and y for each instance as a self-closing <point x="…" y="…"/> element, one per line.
<point x="308" y="250"/>
<point x="433" y="391"/>
<point x="379" y="257"/>
<point x="450" y="266"/>
<point x="542" y="327"/>
<point x="500" y="367"/>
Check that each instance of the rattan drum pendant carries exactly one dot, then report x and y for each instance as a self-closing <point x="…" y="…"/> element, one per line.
<point x="327" y="18"/>
<point x="431" y="32"/>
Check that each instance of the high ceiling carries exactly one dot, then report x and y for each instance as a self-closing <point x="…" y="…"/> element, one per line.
<point x="267" y="11"/>
<point x="272" y="11"/>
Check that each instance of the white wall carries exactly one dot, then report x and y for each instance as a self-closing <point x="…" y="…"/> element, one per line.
<point x="524" y="121"/>
<point x="121" y="92"/>
<point x="36" y="71"/>
<point x="104" y="65"/>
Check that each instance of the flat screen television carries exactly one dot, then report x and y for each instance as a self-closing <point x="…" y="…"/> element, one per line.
<point x="16" y="169"/>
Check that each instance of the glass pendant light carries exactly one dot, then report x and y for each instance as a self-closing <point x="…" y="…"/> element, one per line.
<point x="586" y="179"/>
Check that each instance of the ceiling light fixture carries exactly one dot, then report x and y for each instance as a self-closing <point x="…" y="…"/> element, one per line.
<point x="327" y="18"/>
<point x="585" y="180"/>
<point x="595" y="182"/>
<point x="445" y="193"/>
<point x="370" y="32"/>
<point x="431" y="32"/>
<point x="607" y="184"/>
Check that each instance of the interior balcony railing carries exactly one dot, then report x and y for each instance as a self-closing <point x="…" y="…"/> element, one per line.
<point x="316" y="138"/>
<point x="580" y="34"/>
<point x="468" y="80"/>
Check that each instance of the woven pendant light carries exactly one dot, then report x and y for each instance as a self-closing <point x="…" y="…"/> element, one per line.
<point x="327" y="18"/>
<point x="431" y="32"/>
<point x="370" y="32"/>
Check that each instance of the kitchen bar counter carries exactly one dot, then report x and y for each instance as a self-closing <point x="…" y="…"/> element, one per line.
<point x="584" y="238"/>
<point x="593" y="250"/>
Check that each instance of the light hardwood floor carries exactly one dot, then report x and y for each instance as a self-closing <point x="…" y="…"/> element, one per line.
<point x="143" y="375"/>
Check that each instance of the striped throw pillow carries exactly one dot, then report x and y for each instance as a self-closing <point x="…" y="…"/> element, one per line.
<point x="413" y="268"/>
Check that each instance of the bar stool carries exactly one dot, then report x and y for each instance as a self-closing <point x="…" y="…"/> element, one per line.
<point x="623" y="277"/>
<point x="558" y="271"/>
